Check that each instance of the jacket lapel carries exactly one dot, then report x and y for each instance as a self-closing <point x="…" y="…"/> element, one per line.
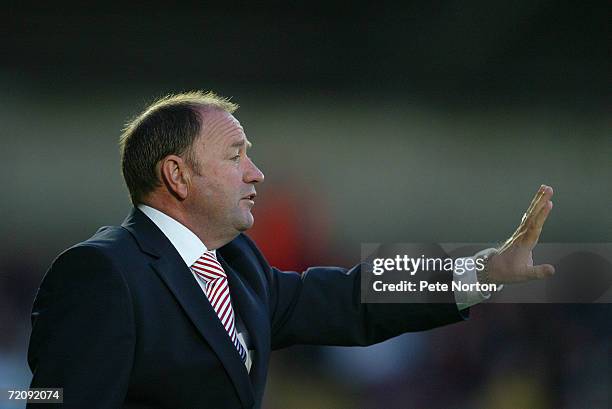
<point x="254" y="316"/>
<point x="171" y="268"/>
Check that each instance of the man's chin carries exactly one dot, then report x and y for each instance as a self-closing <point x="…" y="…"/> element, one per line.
<point x="246" y="223"/>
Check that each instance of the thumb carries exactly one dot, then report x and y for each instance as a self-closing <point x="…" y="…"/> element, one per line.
<point x="540" y="271"/>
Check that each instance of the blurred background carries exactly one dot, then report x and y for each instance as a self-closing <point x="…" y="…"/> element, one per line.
<point x="412" y="121"/>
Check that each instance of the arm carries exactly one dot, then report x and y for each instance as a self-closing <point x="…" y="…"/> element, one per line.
<point x="82" y="331"/>
<point x="323" y="306"/>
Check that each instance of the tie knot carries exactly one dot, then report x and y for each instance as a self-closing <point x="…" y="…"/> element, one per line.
<point x="208" y="267"/>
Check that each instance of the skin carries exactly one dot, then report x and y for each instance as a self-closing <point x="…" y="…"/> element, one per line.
<point x="215" y="200"/>
<point x="514" y="262"/>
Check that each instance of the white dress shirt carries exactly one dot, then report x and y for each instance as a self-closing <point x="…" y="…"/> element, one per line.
<point x="465" y="299"/>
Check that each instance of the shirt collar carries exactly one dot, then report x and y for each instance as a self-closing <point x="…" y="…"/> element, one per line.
<point x="188" y="245"/>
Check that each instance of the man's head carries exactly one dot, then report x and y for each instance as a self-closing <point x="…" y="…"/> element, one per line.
<point x="186" y="155"/>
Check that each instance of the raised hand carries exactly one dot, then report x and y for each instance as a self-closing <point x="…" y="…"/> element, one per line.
<point x="514" y="263"/>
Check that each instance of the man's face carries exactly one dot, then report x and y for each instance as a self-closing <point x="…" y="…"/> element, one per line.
<point x="222" y="195"/>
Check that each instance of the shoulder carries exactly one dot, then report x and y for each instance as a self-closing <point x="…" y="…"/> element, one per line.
<point x="102" y="247"/>
<point x="246" y="247"/>
<point x="244" y="256"/>
<point x="93" y="261"/>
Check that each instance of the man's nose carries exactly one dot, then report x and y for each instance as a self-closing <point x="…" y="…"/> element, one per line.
<point x="253" y="174"/>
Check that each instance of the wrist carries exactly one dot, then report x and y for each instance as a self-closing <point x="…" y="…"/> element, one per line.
<point x="483" y="274"/>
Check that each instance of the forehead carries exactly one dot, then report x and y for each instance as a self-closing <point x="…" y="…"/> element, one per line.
<point x="221" y="129"/>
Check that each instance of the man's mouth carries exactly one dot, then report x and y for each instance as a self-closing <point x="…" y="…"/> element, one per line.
<point x="250" y="197"/>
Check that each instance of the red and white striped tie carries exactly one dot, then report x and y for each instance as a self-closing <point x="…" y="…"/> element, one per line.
<point x="217" y="291"/>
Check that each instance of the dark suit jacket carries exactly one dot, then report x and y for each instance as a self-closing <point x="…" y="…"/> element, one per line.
<point x="119" y="321"/>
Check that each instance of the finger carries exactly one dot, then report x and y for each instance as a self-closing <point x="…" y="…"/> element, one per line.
<point x="540" y="271"/>
<point x="544" y="197"/>
<point x="534" y="228"/>
<point x="543" y="201"/>
<point x="535" y="199"/>
<point x="541" y="217"/>
<point x="522" y="234"/>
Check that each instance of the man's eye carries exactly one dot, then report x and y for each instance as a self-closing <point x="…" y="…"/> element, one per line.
<point x="236" y="158"/>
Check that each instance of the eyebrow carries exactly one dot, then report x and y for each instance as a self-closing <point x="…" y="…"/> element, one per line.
<point x="240" y="143"/>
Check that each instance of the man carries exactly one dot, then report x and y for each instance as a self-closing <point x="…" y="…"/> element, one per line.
<point x="177" y="308"/>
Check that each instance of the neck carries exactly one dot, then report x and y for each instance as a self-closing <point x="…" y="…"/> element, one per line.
<point x="203" y="230"/>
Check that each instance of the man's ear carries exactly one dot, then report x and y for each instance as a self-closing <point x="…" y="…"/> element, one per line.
<point x="175" y="175"/>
